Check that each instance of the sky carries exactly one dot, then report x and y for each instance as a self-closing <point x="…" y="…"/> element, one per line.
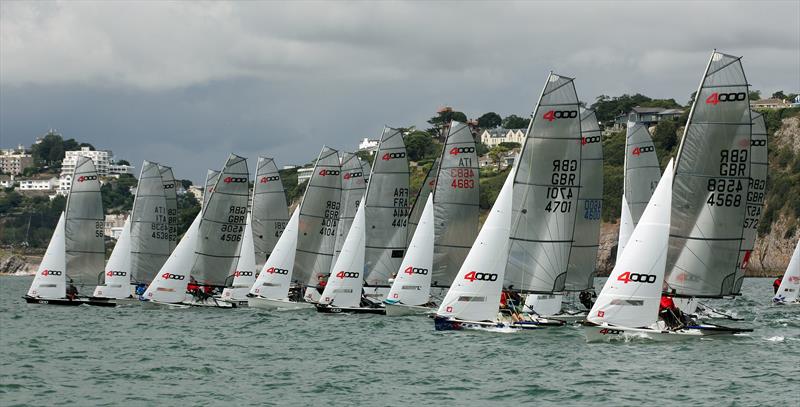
<point x="186" y="83"/>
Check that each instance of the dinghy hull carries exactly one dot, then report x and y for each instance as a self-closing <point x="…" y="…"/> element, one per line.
<point x="329" y="309"/>
<point x="399" y="310"/>
<point x="278" y="305"/>
<point x="605" y="332"/>
<point x="452" y="324"/>
<point x="67" y="302"/>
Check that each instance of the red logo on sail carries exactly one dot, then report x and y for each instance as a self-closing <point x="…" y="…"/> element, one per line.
<point x="328" y="172"/>
<point x="264" y="180"/>
<point x="391" y="156"/>
<point x="228" y="180"/>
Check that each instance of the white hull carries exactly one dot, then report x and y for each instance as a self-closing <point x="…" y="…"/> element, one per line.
<point x="278" y="305"/>
<point x="214" y="302"/>
<point x="605" y="332"/>
<point x="159" y="304"/>
<point x="399" y="310"/>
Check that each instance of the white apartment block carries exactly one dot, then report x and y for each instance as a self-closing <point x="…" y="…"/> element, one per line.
<point x="304" y="174"/>
<point x="368" y="145"/>
<point x="13" y="161"/>
<point x="114" y="224"/>
<point x="494" y="137"/>
<point x="38" y="184"/>
<point x="103" y="162"/>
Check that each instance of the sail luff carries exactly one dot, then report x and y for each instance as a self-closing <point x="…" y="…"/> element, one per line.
<point x="425" y="189"/>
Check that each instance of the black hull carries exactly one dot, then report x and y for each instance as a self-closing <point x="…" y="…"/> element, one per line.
<point x="450" y="324"/>
<point x="327" y="309"/>
<point x="97" y="302"/>
<point x="719" y="329"/>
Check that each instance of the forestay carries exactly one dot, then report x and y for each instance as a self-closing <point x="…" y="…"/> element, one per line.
<point x="412" y="285"/>
<point x="711" y="183"/>
<point x="170" y="194"/>
<point x="546" y="192"/>
<point x="583" y="255"/>
<point x="149" y="225"/>
<point x="790" y="284"/>
<point x="169" y="285"/>
<point x="84" y="226"/>
<point x="475" y="292"/>
<point x="221" y="229"/>
<point x="422" y="196"/>
<point x="630" y="296"/>
<point x="319" y="216"/>
<point x="387" y="208"/>
<point x="353" y="188"/>
<point x="755" y="197"/>
<point x="50" y="279"/>
<point x="347" y="278"/>
<point x="276" y="274"/>
<point x="270" y="211"/>
<point x="118" y="268"/>
<point x="456" y="200"/>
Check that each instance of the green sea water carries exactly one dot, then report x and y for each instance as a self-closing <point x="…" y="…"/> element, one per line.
<point x="131" y="356"/>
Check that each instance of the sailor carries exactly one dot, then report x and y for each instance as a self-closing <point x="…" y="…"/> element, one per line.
<point x="669" y="313"/>
<point x="513" y="298"/>
<point x="141" y="288"/>
<point x="504" y="299"/>
<point x="322" y="281"/>
<point x="585" y="297"/>
<point x="776" y="285"/>
<point x="72" y="291"/>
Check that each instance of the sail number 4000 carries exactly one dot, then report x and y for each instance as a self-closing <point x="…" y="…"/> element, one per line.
<point x="636" y="278"/>
<point x="474" y="275"/>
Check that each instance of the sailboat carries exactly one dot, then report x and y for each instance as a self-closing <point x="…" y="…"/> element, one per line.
<point x="76" y="251"/>
<point x="344" y="288"/>
<point x="628" y="304"/>
<point x="473" y="300"/>
<point x="711" y="183"/>
<point x="245" y="274"/>
<point x="790" y="284"/>
<point x="411" y="290"/>
<point x="386" y="213"/>
<point x="214" y="239"/>
<point x="453" y="215"/>
<point x="301" y="258"/>
<point x="353" y="188"/>
<point x="270" y="213"/>
<point x="583" y="253"/>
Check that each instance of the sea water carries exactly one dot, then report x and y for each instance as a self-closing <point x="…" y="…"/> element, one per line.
<point x="132" y="355"/>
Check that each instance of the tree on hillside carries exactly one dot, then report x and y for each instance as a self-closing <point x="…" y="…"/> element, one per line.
<point x="185" y="183"/>
<point x="442" y="121"/>
<point x="515" y="122"/>
<point x="691" y="99"/>
<point x="489" y="120"/>
<point x="481" y="149"/>
<point x="123" y="162"/>
<point x="419" y="145"/>
<point x="755" y="94"/>
<point x="665" y="137"/>
<point x="510" y="145"/>
<point x="496" y="153"/>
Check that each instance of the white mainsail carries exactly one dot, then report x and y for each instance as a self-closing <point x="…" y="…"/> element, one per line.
<point x="50" y="280"/>
<point x="412" y="285"/>
<point x="84" y="226"/>
<point x="475" y="292"/>
<point x="245" y="274"/>
<point x="756" y="193"/>
<point x="270" y="211"/>
<point x="546" y="192"/>
<point x="387" y="205"/>
<point x="170" y="283"/>
<point x="790" y="284"/>
<point x="149" y="223"/>
<point x="712" y="175"/>
<point x="641" y="175"/>
<point x="353" y="188"/>
<point x="118" y="268"/>
<point x="222" y="226"/>
<point x="347" y="276"/>
<point x="630" y="296"/>
<point x="276" y="274"/>
<point x="456" y="200"/>
<point x="583" y="255"/>
<point x="319" y="216"/>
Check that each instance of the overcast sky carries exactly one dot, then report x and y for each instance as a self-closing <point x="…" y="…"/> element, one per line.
<point x="185" y="83"/>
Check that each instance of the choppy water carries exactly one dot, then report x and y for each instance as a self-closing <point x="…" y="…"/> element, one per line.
<point x="134" y="356"/>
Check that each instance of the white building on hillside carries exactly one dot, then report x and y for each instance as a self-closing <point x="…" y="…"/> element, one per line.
<point x="14" y="161"/>
<point x="368" y="145"/>
<point x="103" y="162"/>
<point x="304" y="174"/>
<point x="38" y="184"/>
<point x="496" y="136"/>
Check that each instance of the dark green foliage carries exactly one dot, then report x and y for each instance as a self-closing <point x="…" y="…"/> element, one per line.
<point x="491" y="182"/>
<point x="665" y="137"/>
<point x="420" y="146"/>
<point x="515" y="122"/>
<point x="28" y="219"/>
<point x="366" y="156"/>
<point x="607" y="108"/>
<point x="185" y="183"/>
<point x="489" y="120"/>
<point x="510" y="145"/>
<point x="614" y="149"/>
<point x="291" y="188"/>
<point x="481" y="149"/>
<point x="612" y="191"/>
<point x="755" y="95"/>
<point x="779" y="95"/>
<point x="9" y="200"/>
<point x="117" y="196"/>
<point x="188" y="208"/>
<point x="123" y="162"/>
